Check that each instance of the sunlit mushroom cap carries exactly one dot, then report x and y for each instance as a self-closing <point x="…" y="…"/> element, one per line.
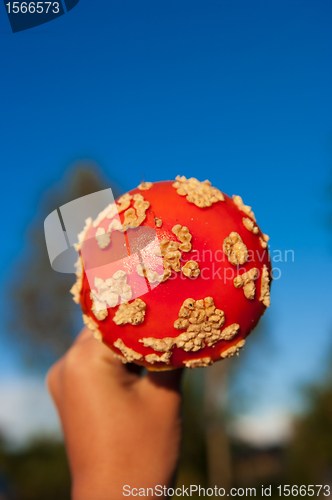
<point x="173" y="274"/>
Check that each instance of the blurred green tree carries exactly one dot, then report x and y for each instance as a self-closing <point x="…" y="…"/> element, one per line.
<point x="193" y="459"/>
<point x="39" y="471"/>
<point x="310" y="450"/>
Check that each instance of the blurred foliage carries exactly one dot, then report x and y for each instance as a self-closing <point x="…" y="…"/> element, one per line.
<point x="310" y="450"/>
<point x="306" y="459"/>
<point x="38" y="472"/>
<point x="193" y="459"/>
<point x="48" y="319"/>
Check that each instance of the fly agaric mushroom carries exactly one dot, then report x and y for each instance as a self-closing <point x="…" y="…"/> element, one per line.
<point x="173" y="274"/>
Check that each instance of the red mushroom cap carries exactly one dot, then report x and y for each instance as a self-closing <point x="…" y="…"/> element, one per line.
<point x="173" y="274"/>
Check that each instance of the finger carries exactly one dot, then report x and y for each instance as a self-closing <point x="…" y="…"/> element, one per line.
<point x="164" y="380"/>
<point x="84" y="334"/>
<point x="53" y="381"/>
<point x="169" y="379"/>
<point x="89" y="358"/>
<point x="135" y="369"/>
<point x="161" y="392"/>
<point x="53" y="378"/>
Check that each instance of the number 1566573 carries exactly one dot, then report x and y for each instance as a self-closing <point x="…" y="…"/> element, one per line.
<point x="32" y="7"/>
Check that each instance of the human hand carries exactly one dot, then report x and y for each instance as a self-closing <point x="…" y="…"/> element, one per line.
<point x="120" y="428"/>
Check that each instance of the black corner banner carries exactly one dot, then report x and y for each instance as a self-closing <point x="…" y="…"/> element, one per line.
<point x="70" y="4"/>
<point x="24" y="15"/>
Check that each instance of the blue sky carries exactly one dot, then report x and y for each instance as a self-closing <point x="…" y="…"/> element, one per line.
<point x="235" y="91"/>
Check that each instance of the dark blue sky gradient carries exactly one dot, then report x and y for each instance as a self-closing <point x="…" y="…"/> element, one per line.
<point x="238" y="92"/>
